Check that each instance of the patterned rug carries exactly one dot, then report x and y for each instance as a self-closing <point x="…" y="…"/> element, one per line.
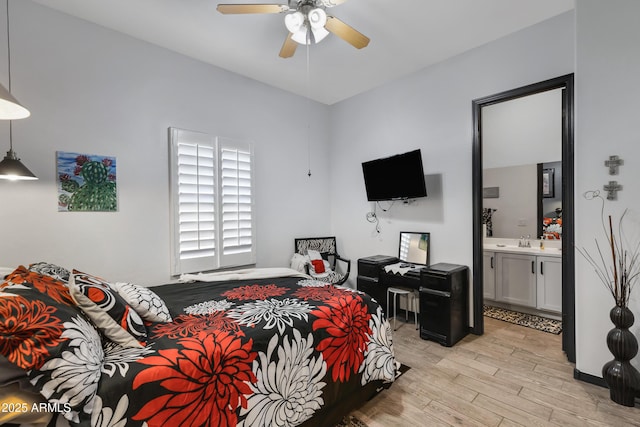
<point x="529" y="320"/>
<point x="351" y="421"/>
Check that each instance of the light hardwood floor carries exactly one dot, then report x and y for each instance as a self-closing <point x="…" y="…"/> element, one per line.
<point x="510" y="376"/>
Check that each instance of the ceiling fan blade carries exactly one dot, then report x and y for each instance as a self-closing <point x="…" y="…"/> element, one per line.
<point x="288" y="47"/>
<point x="251" y="8"/>
<point x="346" y="33"/>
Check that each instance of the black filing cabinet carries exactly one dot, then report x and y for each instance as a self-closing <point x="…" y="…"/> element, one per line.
<point x="444" y="303"/>
<point x="369" y="269"/>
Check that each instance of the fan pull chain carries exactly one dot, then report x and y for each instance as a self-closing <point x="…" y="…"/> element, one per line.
<point x="308" y="104"/>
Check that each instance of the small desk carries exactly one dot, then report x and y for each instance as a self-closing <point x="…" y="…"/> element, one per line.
<point x="411" y="279"/>
<point x="373" y="280"/>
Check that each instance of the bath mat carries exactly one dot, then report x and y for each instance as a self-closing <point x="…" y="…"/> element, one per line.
<point x="523" y="319"/>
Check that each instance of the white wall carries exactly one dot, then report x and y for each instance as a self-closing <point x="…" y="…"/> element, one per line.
<point x="525" y="130"/>
<point x="517" y="205"/>
<point x="607" y="112"/>
<point x="92" y="90"/>
<point x="431" y="110"/>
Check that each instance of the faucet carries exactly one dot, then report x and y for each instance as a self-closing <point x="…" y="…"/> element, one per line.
<point x="525" y="243"/>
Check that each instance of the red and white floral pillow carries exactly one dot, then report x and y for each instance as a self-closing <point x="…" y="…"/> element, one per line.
<point x="45" y="334"/>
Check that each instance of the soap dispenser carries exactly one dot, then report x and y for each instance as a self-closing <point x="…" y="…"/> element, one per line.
<point x="542" y="243"/>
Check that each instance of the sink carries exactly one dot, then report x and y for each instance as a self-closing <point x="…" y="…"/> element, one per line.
<point x="534" y="249"/>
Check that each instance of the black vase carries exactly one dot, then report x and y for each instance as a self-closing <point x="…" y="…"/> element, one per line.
<point x="621" y="377"/>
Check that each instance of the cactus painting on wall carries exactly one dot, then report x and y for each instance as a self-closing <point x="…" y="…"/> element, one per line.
<point x="86" y="182"/>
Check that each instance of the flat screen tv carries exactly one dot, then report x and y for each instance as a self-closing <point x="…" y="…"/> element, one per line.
<point x="395" y="178"/>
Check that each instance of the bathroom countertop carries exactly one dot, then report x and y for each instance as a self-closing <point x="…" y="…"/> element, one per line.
<point x="552" y="248"/>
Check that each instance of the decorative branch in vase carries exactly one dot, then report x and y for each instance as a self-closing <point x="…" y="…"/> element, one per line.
<point x="619" y="275"/>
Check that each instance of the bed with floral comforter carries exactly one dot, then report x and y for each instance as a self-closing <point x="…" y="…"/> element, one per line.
<point x="272" y="351"/>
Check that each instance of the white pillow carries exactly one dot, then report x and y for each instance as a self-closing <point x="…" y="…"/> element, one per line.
<point x="298" y="262"/>
<point x="313" y="254"/>
<point x="144" y="301"/>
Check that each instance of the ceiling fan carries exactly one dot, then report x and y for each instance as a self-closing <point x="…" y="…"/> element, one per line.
<point x="306" y="21"/>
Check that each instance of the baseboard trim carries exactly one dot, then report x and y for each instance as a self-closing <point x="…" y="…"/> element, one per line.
<point x="588" y="378"/>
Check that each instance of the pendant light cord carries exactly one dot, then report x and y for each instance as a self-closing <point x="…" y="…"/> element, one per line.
<point x="10" y="167"/>
<point x="8" y="47"/>
<point x="9" y="75"/>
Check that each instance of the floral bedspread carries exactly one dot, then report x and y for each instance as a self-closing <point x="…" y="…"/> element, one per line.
<point x="268" y="352"/>
<point x="260" y="352"/>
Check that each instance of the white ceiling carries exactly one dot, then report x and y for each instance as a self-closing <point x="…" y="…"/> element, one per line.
<point x="406" y="35"/>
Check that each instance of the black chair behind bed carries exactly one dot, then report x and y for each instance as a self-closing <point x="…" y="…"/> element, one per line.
<point x="329" y="252"/>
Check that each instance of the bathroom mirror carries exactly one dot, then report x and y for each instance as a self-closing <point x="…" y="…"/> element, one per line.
<point x="414" y="248"/>
<point x="523" y="200"/>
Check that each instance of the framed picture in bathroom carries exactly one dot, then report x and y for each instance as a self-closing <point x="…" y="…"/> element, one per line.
<point x="548" y="183"/>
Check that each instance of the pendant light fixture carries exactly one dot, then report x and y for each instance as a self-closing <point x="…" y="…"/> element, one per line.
<point x="10" y="109"/>
<point x="11" y="167"/>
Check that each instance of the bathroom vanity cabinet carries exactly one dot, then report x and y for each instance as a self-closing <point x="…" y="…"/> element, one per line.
<point x="549" y="283"/>
<point x="489" y="280"/>
<point x="516" y="279"/>
<point x="524" y="279"/>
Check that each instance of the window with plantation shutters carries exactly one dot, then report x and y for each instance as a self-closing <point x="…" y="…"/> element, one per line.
<point x="236" y="202"/>
<point x="212" y="205"/>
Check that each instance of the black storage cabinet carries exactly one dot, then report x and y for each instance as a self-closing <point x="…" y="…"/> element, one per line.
<point x="444" y="303"/>
<point x="369" y="269"/>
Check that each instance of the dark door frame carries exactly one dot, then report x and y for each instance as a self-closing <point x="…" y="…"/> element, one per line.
<point x="568" y="206"/>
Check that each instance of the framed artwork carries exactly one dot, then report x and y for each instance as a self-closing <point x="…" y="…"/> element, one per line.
<point x="491" y="192"/>
<point x="548" y="183"/>
<point x="86" y="182"/>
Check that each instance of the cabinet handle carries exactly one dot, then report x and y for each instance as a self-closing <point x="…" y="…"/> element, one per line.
<point x="533" y="267"/>
<point x="491" y="262"/>
<point x="541" y="267"/>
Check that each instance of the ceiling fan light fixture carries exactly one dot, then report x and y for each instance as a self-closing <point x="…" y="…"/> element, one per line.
<point x="295" y="22"/>
<point x="300" y="36"/>
<point x="317" y="18"/>
<point x="319" y="34"/>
